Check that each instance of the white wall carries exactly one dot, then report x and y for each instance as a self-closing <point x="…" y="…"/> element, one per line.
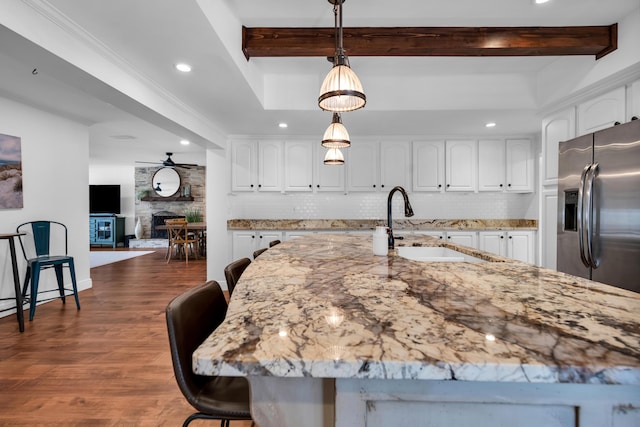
<point x="216" y="214"/>
<point x="55" y="159"/>
<point x="125" y="177"/>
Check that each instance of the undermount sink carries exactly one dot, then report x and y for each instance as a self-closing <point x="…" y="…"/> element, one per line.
<point x="435" y="254"/>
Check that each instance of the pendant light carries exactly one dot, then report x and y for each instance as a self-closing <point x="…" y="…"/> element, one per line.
<point x="336" y="135"/>
<point x="341" y="90"/>
<point x="334" y="157"/>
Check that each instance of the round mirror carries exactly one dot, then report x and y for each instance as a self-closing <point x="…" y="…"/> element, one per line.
<point x="166" y="182"/>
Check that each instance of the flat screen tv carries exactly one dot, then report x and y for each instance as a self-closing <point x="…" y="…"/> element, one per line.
<point x="104" y="199"/>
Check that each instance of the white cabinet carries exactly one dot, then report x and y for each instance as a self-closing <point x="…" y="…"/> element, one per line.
<point x="378" y="166"/>
<point x="256" y="165"/>
<point x="395" y="164"/>
<point x="466" y="238"/>
<point x="602" y="112"/>
<point x="505" y="165"/>
<point x="461" y="165"/>
<point x="514" y="244"/>
<point x="491" y="165"/>
<point x="327" y="177"/>
<point x="555" y="128"/>
<point x="633" y="102"/>
<point x="298" y="166"/>
<point x="362" y="167"/>
<point x="428" y="165"/>
<point x="438" y="234"/>
<point x="445" y="165"/>
<point x="519" y="166"/>
<point x="246" y="242"/>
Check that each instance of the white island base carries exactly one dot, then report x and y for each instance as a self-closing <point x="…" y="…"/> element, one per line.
<point x="325" y="402"/>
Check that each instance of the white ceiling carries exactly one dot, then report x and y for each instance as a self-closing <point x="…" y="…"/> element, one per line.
<point x="450" y="95"/>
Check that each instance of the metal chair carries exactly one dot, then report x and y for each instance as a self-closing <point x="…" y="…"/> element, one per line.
<point x="191" y="318"/>
<point x="233" y="271"/>
<point x="36" y="245"/>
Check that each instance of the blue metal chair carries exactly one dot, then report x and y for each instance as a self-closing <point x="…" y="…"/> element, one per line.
<point x="37" y="253"/>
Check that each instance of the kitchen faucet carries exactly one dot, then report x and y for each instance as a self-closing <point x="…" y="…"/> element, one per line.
<point x="408" y="211"/>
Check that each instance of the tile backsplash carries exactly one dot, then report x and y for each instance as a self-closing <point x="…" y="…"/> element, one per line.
<point x="374" y="206"/>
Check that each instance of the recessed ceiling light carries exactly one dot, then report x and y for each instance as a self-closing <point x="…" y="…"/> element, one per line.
<point x="185" y="68"/>
<point x="541" y="1"/>
<point x="185" y="142"/>
<point x="490" y="125"/>
<point x="283" y="125"/>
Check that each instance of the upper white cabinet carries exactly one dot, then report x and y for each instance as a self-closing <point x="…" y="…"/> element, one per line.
<point x="602" y="112"/>
<point x="327" y="177"/>
<point x="256" y="166"/>
<point x="519" y="165"/>
<point x="445" y="165"/>
<point x="378" y="166"/>
<point x="461" y="165"/>
<point x="491" y="165"/>
<point x="560" y="126"/>
<point x="505" y="165"/>
<point x="362" y="167"/>
<point x="298" y="166"/>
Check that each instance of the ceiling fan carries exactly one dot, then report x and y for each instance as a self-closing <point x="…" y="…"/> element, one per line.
<point x="170" y="163"/>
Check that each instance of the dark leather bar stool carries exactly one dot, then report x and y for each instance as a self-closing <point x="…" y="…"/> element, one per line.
<point x="233" y="271"/>
<point x="273" y="243"/>
<point x="191" y="318"/>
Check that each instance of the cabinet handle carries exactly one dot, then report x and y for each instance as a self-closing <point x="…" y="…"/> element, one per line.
<point x="253" y="237"/>
<point x="439" y="185"/>
<point x="261" y="237"/>
<point x="510" y="237"/>
<point x="382" y="186"/>
<point x="259" y="185"/>
<point x="449" y="237"/>
<point x="448" y="185"/>
<point x="502" y="237"/>
<point x="251" y="185"/>
<point x="310" y="186"/>
<point x="508" y="185"/>
<point x="317" y="185"/>
<point x="500" y="185"/>
<point x="374" y="186"/>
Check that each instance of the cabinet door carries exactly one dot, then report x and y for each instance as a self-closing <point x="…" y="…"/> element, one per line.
<point x="298" y="166"/>
<point x="244" y="243"/>
<point x="519" y="165"/>
<point x="328" y="177"/>
<point x="466" y="238"/>
<point x="437" y="234"/>
<point x="266" y="237"/>
<point x="395" y="164"/>
<point x="270" y="166"/>
<point x="428" y="166"/>
<point x="362" y="167"/>
<point x="520" y="246"/>
<point x="461" y="170"/>
<point x="244" y="165"/>
<point x="556" y="128"/>
<point x="602" y="112"/>
<point x="491" y="165"/>
<point x="493" y="242"/>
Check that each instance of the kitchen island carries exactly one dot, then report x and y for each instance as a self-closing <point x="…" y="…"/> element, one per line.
<point x="329" y="334"/>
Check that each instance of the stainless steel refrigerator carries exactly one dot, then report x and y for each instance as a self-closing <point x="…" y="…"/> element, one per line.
<point x="599" y="206"/>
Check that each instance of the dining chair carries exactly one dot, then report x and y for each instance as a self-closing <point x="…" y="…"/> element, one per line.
<point x="36" y="244"/>
<point x="233" y="271"/>
<point x="180" y="239"/>
<point x="191" y="317"/>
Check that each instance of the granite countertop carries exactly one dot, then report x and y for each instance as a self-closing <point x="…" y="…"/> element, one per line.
<point x="370" y="224"/>
<point x="325" y="306"/>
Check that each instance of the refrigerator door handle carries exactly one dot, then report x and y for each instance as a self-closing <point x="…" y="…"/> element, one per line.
<point x="580" y="215"/>
<point x="593" y="173"/>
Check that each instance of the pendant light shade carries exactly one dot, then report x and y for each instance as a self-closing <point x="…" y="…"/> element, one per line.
<point x="341" y="90"/>
<point x="336" y="135"/>
<point x="334" y="157"/>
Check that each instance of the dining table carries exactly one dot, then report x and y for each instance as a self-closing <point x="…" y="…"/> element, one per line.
<point x="200" y="229"/>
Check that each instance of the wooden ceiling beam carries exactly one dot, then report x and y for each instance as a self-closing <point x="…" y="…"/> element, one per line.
<point x="432" y="41"/>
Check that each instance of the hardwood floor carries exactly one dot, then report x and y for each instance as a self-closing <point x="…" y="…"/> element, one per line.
<point x="105" y="365"/>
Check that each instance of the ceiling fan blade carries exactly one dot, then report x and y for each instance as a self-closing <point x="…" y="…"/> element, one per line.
<point x="152" y="163"/>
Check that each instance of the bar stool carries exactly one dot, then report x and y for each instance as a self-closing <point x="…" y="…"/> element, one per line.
<point x="16" y="279"/>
